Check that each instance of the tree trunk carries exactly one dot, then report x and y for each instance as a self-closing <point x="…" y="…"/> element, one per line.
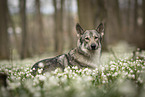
<point x="58" y="18"/>
<point x="4" y="37"/>
<point x="12" y="24"/>
<point x="142" y="46"/>
<point x="39" y="26"/>
<point x="25" y="49"/>
<point x="113" y="23"/>
<point x="128" y="16"/>
<point x="69" y="25"/>
<point x="135" y="16"/>
<point x="86" y="14"/>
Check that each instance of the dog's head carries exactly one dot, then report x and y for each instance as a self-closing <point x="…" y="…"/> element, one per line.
<point x="90" y="39"/>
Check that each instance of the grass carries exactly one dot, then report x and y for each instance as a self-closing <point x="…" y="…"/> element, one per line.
<point x="121" y="77"/>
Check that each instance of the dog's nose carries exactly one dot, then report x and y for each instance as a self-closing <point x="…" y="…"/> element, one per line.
<point x="93" y="46"/>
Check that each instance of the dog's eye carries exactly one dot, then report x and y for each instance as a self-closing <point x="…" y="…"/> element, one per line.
<point x="87" y="38"/>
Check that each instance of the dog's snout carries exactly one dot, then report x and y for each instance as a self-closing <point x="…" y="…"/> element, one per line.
<point x="93" y="46"/>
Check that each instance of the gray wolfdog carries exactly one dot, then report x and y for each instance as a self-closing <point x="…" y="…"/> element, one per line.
<point x="86" y="54"/>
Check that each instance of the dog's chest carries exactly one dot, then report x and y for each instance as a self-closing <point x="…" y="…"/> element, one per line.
<point x="93" y="60"/>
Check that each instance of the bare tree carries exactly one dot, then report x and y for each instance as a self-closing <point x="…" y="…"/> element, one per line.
<point x="143" y="26"/>
<point x="128" y="16"/>
<point x="86" y="13"/>
<point x="4" y="37"/>
<point x="25" y="49"/>
<point x="69" y="24"/>
<point x="12" y="24"/>
<point x="113" y="22"/>
<point x="39" y="28"/>
<point x="135" y="15"/>
<point x="58" y="32"/>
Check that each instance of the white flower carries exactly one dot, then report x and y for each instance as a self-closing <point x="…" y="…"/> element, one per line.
<point x="125" y="64"/>
<point x="108" y="74"/>
<point x="143" y="67"/>
<point x="129" y="75"/>
<point x="138" y="71"/>
<point x="14" y="85"/>
<point x="112" y="69"/>
<point x="41" y="65"/>
<point x="140" y="80"/>
<point x="75" y="67"/>
<point x="42" y="78"/>
<point x="40" y="70"/>
<point x="115" y="74"/>
<point x="133" y="76"/>
<point x="138" y="64"/>
<point x="123" y="67"/>
<point x="30" y="70"/>
<point x="141" y="71"/>
<point x="112" y="62"/>
<point x="103" y="68"/>
<point x="34" y="69"/>
<point x="103" y="82"/>
<point x="131" y="71"/>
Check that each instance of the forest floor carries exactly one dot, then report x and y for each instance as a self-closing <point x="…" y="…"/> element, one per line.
<point x="119" y="75"/>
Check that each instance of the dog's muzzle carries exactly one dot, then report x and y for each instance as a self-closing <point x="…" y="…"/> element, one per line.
<point x="93" y="46"/>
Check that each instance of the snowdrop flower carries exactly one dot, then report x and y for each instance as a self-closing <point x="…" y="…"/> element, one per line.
<point x="41" y="65"/>
<point x="34" y="69"/>
<point x="112" y="69"/>
<point x="123" y="68"/>
<point x="86" y="69"/>
<point x="42" y="78"/>
<point x="140" y="80"/>
<point x="131" y="71"/>
<point x="40" y="70"/>
<point x="96" y="69"/>
<point x="27" y="75"/>
<point x="108" y="74"/>
<point x="30" y="70"/>
<point x="103" y="68"/>
<point x="138" y="71"/>
<point x="103" y="82"/>
<point x="141" y="71"/>
<point x="125" y="64"/>
<point x="112" y="62"/>
<point x="13" y="86"/>
<point x="66" y="70"/>
<point x="115" y="74"/>
<point x="22" y="68"/>
<point x="126" y="73"/>
<point x="59" y="74"/>
<point x="88" y="78"/>
<point x="129" y="75"/>
<point x="138" y="64"/>
<point x="68" y="67"/>
<point x="74" y="67"/>
<point x="133" y="76"/>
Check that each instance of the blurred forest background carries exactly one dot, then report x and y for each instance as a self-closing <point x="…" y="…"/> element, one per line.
<point x="34" y="27"/>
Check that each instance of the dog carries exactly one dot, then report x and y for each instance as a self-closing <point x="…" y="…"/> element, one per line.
<point x="86" y="54"/>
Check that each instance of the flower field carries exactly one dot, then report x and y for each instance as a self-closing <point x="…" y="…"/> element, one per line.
<point x="124" y="77"/>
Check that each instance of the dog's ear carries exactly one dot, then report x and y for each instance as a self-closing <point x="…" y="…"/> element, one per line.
<point x="79" y="29"/>
<point x="100" y="29"/>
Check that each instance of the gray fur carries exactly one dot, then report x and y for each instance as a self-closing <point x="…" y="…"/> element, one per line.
<point x="86" y="54"/>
